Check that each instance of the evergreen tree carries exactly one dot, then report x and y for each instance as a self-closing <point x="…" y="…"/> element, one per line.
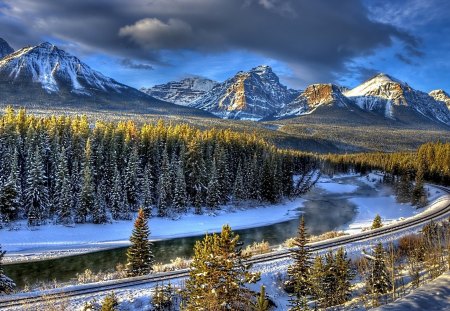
<point x="9" y="200"/>
<point x="139" y="254"/>
<point x="130" y="185"/>
<point x="110" y="303"/>
<point x="378" y="282"/>
<point x="164" y="186"/>
<point x="87" y="196"/>
<point x="262" y="303"/>
<point x="377" y="223"/>
<point x="36" y="193"/>
<point x="317" y="279"/>
<point x="330" y="282"/>
<point x="148" y="191"/>
<point x="117" y="204"/>
<point x="63" y="190"/>
<point x="419" y="196"/>
<point x="213" y="192"/>
<point x="239" y="192"/>
<point x="180" y="195"/>
<point x="268" y="187"/>
<point x="6" y="284"/>
<point x="218" y="274"/>
<point x="99" y="209"/>
<point x="344" y="275"/>
<point x="299" y="271"/>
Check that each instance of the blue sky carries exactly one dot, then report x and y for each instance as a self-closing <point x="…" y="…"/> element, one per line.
<point x="142" y="43"/>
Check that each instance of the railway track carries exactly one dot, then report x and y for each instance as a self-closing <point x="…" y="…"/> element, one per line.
<point x="21" y="299"/>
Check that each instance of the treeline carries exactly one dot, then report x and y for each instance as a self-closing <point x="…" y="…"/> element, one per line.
<point x="432" y="160"/>
<point x="68" y="170"/>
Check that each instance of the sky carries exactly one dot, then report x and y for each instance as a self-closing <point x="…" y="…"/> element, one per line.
<point x="146" y="42"/>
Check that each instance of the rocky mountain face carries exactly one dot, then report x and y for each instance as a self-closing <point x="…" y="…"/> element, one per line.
<point x="251" y="95"/>
<point x="442" y="96"/>
<point x="181" y="92"/>
<point x="259" y="95"/>
<point x="5" y="48"/>
<point x="314" y="96"/>
<point x="45" y="75"/>
<point x="389" y="96"/>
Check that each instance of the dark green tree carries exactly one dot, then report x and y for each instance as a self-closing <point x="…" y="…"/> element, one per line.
<point x="139" y="254"/>
<point x="378" y="282"/>
<point x="219" y="274"/>
<point x="299" y="272"/>
<point x="36" y="192"/>
<point x="213" y="193"/>
<point x="377" y="223"/>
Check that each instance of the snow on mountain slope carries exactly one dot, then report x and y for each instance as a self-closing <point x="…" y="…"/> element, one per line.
<point x="5" y="48"/>
<point x="181" y="92"/>
<point x="442" y="96"/>
<point x="314" y="96"/>
<point x="54" y="69"/>
<point x="251" y="95"/>
<point x="385" y="94"/>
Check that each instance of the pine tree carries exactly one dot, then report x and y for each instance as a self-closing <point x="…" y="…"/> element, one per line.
<point x="87" y="196"/>
<point x="99" y="209"/>
<point x="218" y="274"/>
<point x="148" y="191"/>
<point x="180" y="195"/>
<point x="6" y="284"/>
<point x="377" y="223"/>
<point x="268" y="187"/>
<point x="299" y="271"/>
<point x="419" y="196"/>
<point x="378" y="282"/>
<point x="344" y="275"/>
<point x="239" y="192"/>
<point x="330" y="281"/>
<point x="36" y="193"/>
<point x="9" y="200"/>
<point x="317" y="279"/>
<point x="139" y="254"/>
<point x="164" y="187"/>
<point x="117" y="206"/>
<point x="110" y="303"/>
<point x="213" y="193"/>
<point x="130" y="185"/>
<point x="63" y="190"/>
<point x="262" y="303"/>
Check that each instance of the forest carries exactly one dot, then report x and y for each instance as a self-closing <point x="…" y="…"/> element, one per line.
<point x="68" y="170"/>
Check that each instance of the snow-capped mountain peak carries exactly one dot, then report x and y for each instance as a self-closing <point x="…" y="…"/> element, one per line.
<point x="386" y="94"/>
<point x="312" y="97"/>
<point x="181" y="92"/>
<point x="5" y="48"/>
<point x="54" y="69"/>
<point x="251" y="95"/>
<point x="442" y="96"/>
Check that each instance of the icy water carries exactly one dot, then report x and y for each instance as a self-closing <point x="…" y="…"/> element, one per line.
<point x="323" y="212"/>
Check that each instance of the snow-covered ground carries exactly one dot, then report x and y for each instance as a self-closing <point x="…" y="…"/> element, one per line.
<point x="51" y="241"/>
<point x="434" y="296"/>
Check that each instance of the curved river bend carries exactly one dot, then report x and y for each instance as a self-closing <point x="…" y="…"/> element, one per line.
<point x="323" y="211"/>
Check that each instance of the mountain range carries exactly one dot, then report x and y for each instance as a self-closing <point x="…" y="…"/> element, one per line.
<point x="259" y="95"/>
<point x="47" y="76"/>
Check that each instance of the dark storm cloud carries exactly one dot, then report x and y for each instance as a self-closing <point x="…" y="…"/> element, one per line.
<point x="128" y="63"/>
<point x="404" y="59"/>
<point x="318" y="37"/>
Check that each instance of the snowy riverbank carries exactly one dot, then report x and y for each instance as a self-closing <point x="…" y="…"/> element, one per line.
<point x="51" y="241"/>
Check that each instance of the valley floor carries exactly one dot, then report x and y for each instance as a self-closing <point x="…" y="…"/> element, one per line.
<point x="49" y="241"/>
